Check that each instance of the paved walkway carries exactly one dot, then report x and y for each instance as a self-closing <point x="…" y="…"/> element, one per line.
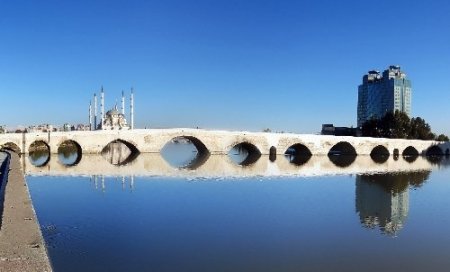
<point x="22" y="247"/>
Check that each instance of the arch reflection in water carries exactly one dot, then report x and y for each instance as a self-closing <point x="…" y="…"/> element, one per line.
<point x="69" y="153"/>
<point x="382" y="200"/>
<point x="244" y="154"/>
<point x="298" y="154"/>
<point x="39" y="153"/>
<point x="185" y="153"/>
<point x="119" y="152"/>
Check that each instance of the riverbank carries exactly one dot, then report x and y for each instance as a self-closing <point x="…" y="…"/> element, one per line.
<point x="22" y="246"/>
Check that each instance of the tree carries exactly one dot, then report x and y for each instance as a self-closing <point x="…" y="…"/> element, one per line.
<point x="442" y="138"/>
<point x="398" y="125"/>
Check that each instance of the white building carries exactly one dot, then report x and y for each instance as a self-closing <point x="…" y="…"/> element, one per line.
<point x="112" y="119"/>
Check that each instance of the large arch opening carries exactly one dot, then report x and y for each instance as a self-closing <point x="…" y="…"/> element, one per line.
<point x="410" y="151"/>
<point x="39" y="153"/>
<point x="69" y="153"/>
<point x="434" y="154"/>
<point x="298" y="154"/>
<point x="342" y="148"/>
<point x="12" y="147"/>
<point x="434" y="151"/>
<point x="185" y="152"/>
<point x="342" y="154"/>
<point x="380" y="154"/>
<point x="447" y="152"/>
<point x="120" y="152"/>
<point x="244" y="154"/>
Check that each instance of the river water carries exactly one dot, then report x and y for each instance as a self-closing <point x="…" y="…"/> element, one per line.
<point x="163" y="213"/>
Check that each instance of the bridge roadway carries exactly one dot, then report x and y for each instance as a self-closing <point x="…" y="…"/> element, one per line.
<point x="217" y="142"/>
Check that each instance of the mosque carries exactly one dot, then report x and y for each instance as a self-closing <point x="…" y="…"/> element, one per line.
<point x="112" y="119"/>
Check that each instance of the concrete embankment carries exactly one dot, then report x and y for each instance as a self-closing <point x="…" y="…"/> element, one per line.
<point x="22" y="246"/>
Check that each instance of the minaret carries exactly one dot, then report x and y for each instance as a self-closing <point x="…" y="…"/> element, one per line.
<point x="102" y="107"/>
<point x="123" y="103"/>
<point x="95" y="111"/>
<point x="132" y="110"/>
<point x="90" y="115"/>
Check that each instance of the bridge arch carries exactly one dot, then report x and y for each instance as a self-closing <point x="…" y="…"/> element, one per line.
<point x="12" y="147"/>
<point x="396" y="152"/>
<point x="120" y="152"/>
<point x="247" y="149"/>
<point x="434" y="150"/>
<point x="380" y="150"/>
<point x="380" y="154"/>
<point x="298" y="154"/>
<point x="39" y="153"/>
<point x="199" y="145"/>
<point x="298" y="149"/>
<point x="410" y="151"/>
<point x="272" y="153"/>
<point x="184" y="159"/>
<point x="69" y="152"/>
<point x="342" y="148"/>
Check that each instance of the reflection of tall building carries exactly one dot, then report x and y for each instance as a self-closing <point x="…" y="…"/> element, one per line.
<point x="382" y="200"/>
<point x="379" y="207"/>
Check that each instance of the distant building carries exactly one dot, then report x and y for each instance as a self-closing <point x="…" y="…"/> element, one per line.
<point x="381" y="93"/>
<point x="41" y="128"/>
<point x="67" y="127"/>
<point x="330" y="129"/>
<point x="112" y="119"/>
<point x="3" y="130"/>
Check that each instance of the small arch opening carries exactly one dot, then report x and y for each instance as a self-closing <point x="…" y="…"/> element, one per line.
<point x="244" y="154"/>
<point x="12" y="147"/>
<point x="120" y="152"/>
<point x="298" y="154"/>
<point x="396" y="154"/>
<point x="39" y="153"/>
<point x="379" y="154"/>
<point x="272" y="153"/>
<point x="185" y="152"/>
<point x="69" y="153"/>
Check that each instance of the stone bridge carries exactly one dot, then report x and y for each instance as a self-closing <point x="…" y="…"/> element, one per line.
<point x="221" y="142"/>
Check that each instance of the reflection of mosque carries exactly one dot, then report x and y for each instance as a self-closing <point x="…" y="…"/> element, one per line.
<point x="99" y="182"/>
<point x="382" y="200"/>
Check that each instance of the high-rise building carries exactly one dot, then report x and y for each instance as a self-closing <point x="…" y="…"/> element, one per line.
<point x="381" y="93"/>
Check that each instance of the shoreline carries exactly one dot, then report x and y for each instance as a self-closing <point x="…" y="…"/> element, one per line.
<point x="22" y="246"/>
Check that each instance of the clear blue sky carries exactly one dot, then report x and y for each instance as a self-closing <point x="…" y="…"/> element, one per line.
<point x="285" y="65"/>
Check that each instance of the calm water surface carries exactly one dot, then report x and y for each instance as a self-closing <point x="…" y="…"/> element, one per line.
<point x="382" y="221"/>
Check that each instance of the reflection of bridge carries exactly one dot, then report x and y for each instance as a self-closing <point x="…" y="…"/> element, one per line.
<point x="220" y="142"/>
<point x="218" y="166"/>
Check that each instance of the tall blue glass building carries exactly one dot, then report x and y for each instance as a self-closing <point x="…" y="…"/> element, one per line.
<point x="381" y="93"/>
